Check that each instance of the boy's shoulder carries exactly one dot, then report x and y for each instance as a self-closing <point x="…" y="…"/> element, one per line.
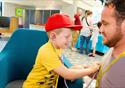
<point x="45" y="48"/>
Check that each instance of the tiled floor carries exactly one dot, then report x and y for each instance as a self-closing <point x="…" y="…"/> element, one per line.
<point x="3" y="41"/>
<point x="77" y="58"/>
<point x="74" y="57"/>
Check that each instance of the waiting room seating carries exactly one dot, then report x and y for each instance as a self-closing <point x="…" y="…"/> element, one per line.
<point x="18" y="56"/>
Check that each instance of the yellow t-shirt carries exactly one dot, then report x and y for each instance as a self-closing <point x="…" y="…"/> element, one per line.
<point x="42" y="75"/>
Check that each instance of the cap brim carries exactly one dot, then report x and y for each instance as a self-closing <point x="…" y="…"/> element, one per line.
<point x="75" y="27"/>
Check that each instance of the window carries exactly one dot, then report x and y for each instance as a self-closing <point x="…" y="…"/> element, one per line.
<point x="41" y="16"/>
<point x="54" y="11"/>
<point x="46" y="15"/>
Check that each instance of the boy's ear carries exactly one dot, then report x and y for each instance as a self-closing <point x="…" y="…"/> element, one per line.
<point x="53" y="35"/>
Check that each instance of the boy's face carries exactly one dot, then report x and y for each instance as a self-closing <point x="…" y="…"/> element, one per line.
<point x="62" y="39"/>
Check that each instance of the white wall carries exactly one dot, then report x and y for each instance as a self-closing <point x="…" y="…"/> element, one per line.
<point x="68" y="9"/>
<point x="65" y="6"/>
<point x="83" y="5"/>
<point x="9" y="9"/>
<point x="68" y="1"/>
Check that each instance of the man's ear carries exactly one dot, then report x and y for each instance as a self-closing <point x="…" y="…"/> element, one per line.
<point x="123" y="27"/>
<point x="52" y="35"/>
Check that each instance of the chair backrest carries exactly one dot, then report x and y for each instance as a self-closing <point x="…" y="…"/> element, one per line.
<point x="18" y="56"/>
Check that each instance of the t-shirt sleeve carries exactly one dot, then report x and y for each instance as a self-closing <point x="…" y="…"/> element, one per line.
<point x="50" y="60"/>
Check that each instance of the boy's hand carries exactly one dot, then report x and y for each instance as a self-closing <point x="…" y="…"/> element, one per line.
<point x="95" y="67"/>
<point x="98" y="63"/>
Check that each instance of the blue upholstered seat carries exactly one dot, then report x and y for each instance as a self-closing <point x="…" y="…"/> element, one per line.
<point x="18" y="56"/>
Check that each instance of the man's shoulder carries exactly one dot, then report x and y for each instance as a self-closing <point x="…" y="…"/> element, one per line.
<point x="122" y="57"/>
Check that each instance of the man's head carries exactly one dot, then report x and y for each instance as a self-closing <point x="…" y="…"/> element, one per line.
<point x="113" y="24"/>
<point x="59" y="29"/>
<point x="79" y="12"/>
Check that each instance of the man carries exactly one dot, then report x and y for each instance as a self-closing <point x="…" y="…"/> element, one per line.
<point x="75" y="34"/>
<point x="77" y="17"/>
<point x="112" y="73"/>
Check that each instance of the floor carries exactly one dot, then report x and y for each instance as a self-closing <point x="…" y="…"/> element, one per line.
<point x="3" y="41"/>
<point x="74" y="57"/>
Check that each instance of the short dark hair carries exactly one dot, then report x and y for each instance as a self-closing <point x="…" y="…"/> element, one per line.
<point x="119" y="6"/>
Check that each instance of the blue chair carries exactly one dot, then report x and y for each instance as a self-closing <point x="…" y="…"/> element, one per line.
<point x="18" y="56"/>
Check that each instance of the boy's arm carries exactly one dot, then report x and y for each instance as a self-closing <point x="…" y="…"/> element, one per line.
<point x="79" y="66"/>
<point x="72" y="74"/>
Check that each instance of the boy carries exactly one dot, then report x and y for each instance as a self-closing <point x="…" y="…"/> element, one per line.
<point x="49" y="65"/>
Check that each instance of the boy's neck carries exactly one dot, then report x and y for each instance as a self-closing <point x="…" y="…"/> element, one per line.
<point x="54" y="44"/>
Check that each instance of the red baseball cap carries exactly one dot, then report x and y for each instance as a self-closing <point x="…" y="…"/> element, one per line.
<point x="60" y="21"/>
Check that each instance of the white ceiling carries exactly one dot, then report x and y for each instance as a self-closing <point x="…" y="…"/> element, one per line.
<point x="37" y="3"/>
<point x="50" y="3"/>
